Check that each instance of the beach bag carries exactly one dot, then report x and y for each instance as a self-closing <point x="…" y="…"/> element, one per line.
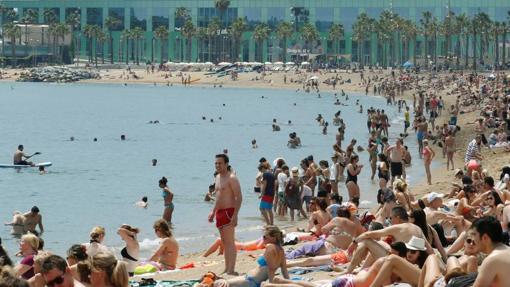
<point x="144" y="269"/>
<point x="463" y="281"/>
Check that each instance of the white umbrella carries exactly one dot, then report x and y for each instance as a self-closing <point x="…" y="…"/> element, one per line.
<point x="290" y="63"/>
<point x="278" y="63"/>
<point x="208" y="63"/>
<point x="256" y="63"/>
<point x="304" y="63"/>
<point x="313" y="78"/>
<point x="224" y="64"/>
<point x="268" y="63"/>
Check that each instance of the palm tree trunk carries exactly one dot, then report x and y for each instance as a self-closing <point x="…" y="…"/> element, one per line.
<point x="457" y="53"/>
<point x="466" y="60"/>
<point x="209" y="49"/>
<point x="504" y="49"/>
<point x="426" y="50"/>
<point x="13" y="51"/>
<point x="111" y="47"/>
<point x="161" y="51"/>
<point x="127" y="52"/>
<point x="496" y="42"/>
<point x="414" y="51"/>
<point x="474" y="50"/>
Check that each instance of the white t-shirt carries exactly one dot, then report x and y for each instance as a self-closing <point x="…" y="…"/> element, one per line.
<point x="282" y="178"/>
<point x="307" y="191"/>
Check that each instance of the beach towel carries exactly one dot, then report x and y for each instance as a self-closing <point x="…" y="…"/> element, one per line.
<point x="311" y="248"/>
<point x="165" y="283"/>
<point x="305" y="270"/>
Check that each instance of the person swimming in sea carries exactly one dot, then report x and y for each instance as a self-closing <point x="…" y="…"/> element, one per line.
<point x="143" y="203"/>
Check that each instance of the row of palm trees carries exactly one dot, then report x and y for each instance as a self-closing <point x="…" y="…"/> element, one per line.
<point x="11" y="30"/>
<point x="391" y="39"/>
<point x="455" y="36"/>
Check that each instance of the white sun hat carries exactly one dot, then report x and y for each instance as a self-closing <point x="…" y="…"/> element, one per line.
<point x="416" y="243"/>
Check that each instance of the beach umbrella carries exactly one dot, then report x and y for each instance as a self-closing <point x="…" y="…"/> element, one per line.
<point x="304" y="63"/>
<point x="278" y="63"/>
<point x="290" y="63"/>
<point x="256" y="63"/>
<point x="313" y="78"/>
<point x="268" y="63"/>
<point x="407" y="64"/>
<point x="224" y="64"/>
<point x="208" y="63"/>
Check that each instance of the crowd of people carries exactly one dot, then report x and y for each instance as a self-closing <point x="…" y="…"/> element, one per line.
<point x="454" y="237"/>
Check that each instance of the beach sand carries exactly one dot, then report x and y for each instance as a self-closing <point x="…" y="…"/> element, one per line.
<point x="442" y="178"/>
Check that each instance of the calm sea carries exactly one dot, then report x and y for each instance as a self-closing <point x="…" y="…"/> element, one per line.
<point x="97" y="183"/>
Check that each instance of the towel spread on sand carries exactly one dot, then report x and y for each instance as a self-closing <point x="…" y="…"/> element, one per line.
<point x="305" y="270"/>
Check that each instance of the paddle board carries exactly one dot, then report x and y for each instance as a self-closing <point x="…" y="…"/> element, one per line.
<point x="45" y="164"/>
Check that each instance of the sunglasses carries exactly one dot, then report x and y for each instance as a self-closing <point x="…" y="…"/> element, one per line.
<point x="57" y="281"/>
<point x="490" y="198"/>
<point x="470" y="241"/>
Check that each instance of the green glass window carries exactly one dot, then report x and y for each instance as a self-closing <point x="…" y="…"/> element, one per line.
<point x="139" y="18"/>
<point x="160" y="18"/>
<point x="117" y="13"/>
<point x="95" y="16"/>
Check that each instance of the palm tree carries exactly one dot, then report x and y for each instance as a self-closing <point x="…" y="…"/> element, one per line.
<point x="212" y="31"/>
<point x="425" y="23"/>
<point x="181" y="14"/>
<point x="236" y="30"/>
<point x="484" y="23"/>
<point x="336" y="32"/>
<point x="6" y="16"/>
<point x="447" y="27"/>
<point x="12" y="31"/>
<point x="473" y="26"/>
<point x="504" y="30"/>
<point x="110" y="23"/>
<point x="161" y="33"/>
<point x="73" y="20"/>
<point x="201" y="35"/>
<point x="496" y="30"/>
<point x="460" y="29"/>
<point x="361" y="30"/>
<point x="89" y="32"/>
<point x="222" y="6"/>
<point x="385" y="28"/>
<point x="52" y="32"/>
<point x="101" y="36"/>
<point x="62" y="30"/>
<point x="137" y="35"/>
<point x="49" y="16"/>
<point x="29" y="18"/>
<point x="309" y="34"/>
<point x="409" y="34"/>
<point x="260" y="34"/>
<point x="125" y="37"/>
<point x="188" y="31"/>
<point x="284" y="31"/>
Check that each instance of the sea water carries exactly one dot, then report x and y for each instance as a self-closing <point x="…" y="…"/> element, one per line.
<point x="97" y="183"/>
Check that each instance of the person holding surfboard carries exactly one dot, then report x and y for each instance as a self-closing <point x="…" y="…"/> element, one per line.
<point x="20" y="158"/>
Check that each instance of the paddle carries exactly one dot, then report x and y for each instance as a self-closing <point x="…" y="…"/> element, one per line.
<point x="35" y="153"/>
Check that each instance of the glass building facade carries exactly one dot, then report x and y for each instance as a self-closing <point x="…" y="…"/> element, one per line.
<point x="151" y="14"/>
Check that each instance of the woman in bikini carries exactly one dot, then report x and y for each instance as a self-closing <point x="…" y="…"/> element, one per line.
<point x="404" y="197"/>
<point x="351" y="182"/>
<point x="267" y="264"/>
<point x="428" y="155"/>
<point x="466" y="205"/>
<point x="168" y="198"/>
<point x="319" y="218"/>
<point x="130" y="253"/>
<point x="168" y="251"/>
<point x="450" y="149"/>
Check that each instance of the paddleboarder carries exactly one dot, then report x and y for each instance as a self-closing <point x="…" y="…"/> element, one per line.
<point x="20" y="158"/>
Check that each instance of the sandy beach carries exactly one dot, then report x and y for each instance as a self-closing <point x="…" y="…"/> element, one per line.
<point x="441" y="177"/>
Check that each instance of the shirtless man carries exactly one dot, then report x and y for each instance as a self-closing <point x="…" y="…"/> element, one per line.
<point x="32" y="219"/>
<point x="226" y="209"/>
<point x="20" y="158"/>
<point x="447" y="220"/>
<point x="396" y="153"/>
<point x="55" y="272"/>
<point x="494" y="268"/>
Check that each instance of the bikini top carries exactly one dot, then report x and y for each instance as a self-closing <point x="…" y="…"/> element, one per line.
<point x="126" y="255"/>
<point x="262" y="261"/>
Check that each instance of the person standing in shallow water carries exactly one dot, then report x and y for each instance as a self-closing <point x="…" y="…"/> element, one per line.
<point x="267" y="193"/>
<point x="226" y="209"/>
<point x="168" y="197"/>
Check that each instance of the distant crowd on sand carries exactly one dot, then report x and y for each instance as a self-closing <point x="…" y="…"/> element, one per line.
<point x="454" y="237"/>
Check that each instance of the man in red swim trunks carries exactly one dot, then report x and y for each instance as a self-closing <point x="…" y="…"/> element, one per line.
<point x="226" y="207"/>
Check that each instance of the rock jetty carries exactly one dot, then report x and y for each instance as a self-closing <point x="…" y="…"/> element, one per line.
<point x="56" y="74"/>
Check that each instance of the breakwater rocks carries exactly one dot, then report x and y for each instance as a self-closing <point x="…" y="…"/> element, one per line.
<point x="56" y="74"/>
